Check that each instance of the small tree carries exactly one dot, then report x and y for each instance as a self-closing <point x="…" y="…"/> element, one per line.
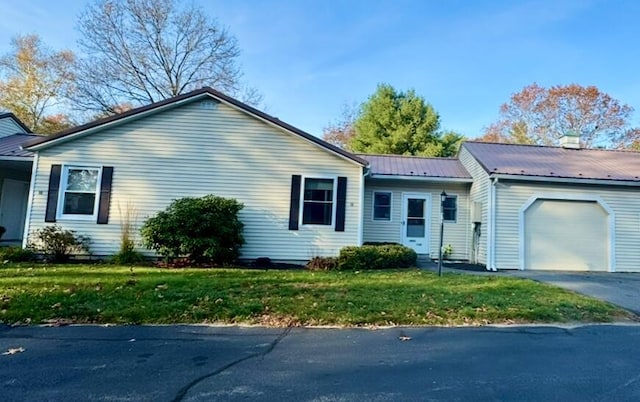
<point x="205" y="229"/>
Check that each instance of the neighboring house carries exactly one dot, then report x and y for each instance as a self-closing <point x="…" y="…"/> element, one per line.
<point x="506" y="206"/>
<point x="556" y="207"/>
<point x="15" y="173"/>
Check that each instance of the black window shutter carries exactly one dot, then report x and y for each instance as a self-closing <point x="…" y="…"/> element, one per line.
<point x="294" y="207"/>
<point x="341" y="198"/>
<point x="52" y="196"/>
<point x="105" y="195"/>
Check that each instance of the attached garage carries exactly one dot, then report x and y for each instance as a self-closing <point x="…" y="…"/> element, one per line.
<point x="568" y="235"/>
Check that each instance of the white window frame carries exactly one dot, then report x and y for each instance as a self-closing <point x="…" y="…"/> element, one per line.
<point x="64" y="179"/>
<point x="373" y="206"/>
<point x="457" y="209"/>
<point x="334" y="201"/>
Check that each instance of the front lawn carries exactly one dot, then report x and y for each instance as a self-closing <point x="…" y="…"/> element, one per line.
<point x="123" y="295"/>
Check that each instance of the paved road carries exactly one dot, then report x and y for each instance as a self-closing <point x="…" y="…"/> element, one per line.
<point x="191" y="363"/>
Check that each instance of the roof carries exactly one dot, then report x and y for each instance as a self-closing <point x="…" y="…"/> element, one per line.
<point x="557" y="162"/>
<point x="16" y="120"/>
<point x="397" y="165"/>
<point x="10" y="146"/>
<point x="206" y="91"/>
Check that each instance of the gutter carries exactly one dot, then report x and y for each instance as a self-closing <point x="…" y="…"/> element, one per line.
<point x="567" y="180"/>
<point x="422" y="178"/>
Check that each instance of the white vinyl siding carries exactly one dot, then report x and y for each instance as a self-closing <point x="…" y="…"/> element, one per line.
<point x="9" y="127"/>
<point x="479" y="192"/>
<point x="623" y="201"/>
<point x="193" y="151"/>
<point x="455" y="233"/>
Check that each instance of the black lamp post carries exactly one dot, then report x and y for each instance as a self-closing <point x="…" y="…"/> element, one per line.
<point x="443" y="197"/>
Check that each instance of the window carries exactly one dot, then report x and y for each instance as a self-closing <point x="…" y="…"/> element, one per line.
<point x="382" y="206"/>
<point x="318" y="202"/>
<point x="450" y="208"/>
<point x="79" y="190"/>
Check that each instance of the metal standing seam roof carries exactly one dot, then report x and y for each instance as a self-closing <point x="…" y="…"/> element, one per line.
<point x="558" y="162"/>
<point x="397" y="165"/>
<point x="10" y="145"/>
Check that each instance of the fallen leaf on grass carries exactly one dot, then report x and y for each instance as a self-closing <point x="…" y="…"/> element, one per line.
<point x="13" y="351"/>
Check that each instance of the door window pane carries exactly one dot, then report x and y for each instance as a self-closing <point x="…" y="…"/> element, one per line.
<point x="415" y="207"/>
<point x="415" y="227"/>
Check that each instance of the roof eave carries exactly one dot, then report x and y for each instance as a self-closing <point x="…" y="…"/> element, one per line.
<point x="546" y="179"/>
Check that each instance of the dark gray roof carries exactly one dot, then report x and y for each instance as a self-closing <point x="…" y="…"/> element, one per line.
<point x="396" y="165"/>
<point x="543" y="161"/>
<point x="10" y="145"/>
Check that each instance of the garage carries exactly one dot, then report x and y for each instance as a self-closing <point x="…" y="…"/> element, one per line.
<point x="566" y="235"/>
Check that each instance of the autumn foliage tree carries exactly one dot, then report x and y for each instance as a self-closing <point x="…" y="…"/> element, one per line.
<point x="34" y="83"/>
<point x="340" y="132"/>
<point x="538" y="115"/>
<point x="401" y="123"/>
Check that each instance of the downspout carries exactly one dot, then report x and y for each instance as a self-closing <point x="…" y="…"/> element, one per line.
<point x="366" y="171"/>
<point x="492" y="224"/>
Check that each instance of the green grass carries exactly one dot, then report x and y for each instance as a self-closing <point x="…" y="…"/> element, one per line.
<point x="122" y="295"/>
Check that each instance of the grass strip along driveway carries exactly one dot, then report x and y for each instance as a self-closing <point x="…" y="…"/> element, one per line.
<point x="123" y="295"/>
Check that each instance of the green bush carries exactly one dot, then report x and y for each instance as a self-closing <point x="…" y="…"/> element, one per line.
<point x="57" y="244"/>
<point x="322" y="264"/>
<point x="376" y="257"/>
<point x="128" y="257"/>
<point x="204" y="230"/>
<point x="16" y="254"/>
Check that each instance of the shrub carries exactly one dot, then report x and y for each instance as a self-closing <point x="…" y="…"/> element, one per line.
<point x="205" y="229"/>
<point x="376" y="257"/>
<point x="322" y="264"/>
<point x="2" y="231"/>
<point x="16" y="254"/>
<point x="58" y="244"/>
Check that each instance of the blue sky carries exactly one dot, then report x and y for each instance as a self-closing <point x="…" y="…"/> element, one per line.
<point x="466" y="58"/>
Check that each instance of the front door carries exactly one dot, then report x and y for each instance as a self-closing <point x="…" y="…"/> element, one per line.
<point x="415" y="221"/>
<point x="13" y="208"/>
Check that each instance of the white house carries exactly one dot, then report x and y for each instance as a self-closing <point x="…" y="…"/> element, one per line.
<point x="506" y="206"/>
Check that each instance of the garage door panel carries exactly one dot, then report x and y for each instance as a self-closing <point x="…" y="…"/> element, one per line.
<point x="566" y="235"/>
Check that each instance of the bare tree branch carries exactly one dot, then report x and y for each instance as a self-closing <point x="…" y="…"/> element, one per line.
<point x="142" y="51"/>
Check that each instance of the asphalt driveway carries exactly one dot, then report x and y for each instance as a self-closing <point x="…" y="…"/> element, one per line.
<point x="622" y="289"/>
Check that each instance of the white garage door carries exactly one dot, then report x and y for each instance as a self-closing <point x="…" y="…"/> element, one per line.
<point x="566" y="235"/>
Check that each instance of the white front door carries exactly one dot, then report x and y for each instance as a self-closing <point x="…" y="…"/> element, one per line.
<point x="13" y="208"/>
<point x="416" y="221"/>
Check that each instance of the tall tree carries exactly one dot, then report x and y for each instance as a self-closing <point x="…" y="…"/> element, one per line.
<point x="143" y="51"/>
<point x="401" y="123"/>
<point x="538" y="115"/>
<point x="34" y="82"/>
